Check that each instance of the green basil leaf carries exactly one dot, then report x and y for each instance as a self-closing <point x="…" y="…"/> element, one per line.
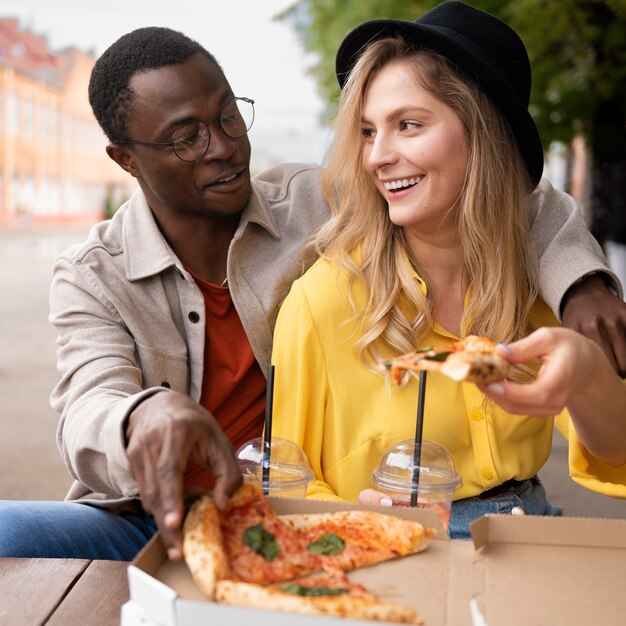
<point x="314" y="591"/>
<point x="327" y="544"/>
<point x="441" y="356"/>
<point x="261" y="541"/>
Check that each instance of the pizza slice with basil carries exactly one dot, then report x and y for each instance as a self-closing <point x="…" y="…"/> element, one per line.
<point x="246" y="542"/>
<point x="248" y="547"/>
<point x="328" y="593"/>
<point x="351" y="539"/>
<point x="473" y="359"/>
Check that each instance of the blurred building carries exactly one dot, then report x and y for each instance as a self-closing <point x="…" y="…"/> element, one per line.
<point x="53" y="166"/>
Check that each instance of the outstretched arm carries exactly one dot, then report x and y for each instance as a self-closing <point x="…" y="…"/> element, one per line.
<point x="120" y="433"/>
<point x="574" y="374"/>
<point x="164" y="432"/>
<point x="574" y="278"/>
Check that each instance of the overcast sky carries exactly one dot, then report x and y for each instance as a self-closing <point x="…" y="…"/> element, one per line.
<point x="262" y="58"/>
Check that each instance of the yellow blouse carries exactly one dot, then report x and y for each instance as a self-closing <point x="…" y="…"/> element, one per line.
<point x="345" y="416"/>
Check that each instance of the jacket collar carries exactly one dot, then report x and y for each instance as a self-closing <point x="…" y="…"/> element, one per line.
<point x="258" y="212"/>
<point x="147" y="252"/>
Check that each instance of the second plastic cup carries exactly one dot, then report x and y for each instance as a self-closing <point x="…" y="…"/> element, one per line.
<point x="289" y="471"/>
<point x="438" y="478"/>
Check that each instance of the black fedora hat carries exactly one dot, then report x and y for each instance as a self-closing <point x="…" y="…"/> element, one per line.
<point x="479" y="43"/>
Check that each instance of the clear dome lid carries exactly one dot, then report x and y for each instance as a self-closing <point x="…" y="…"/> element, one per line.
<point x="399" y="462"/>
<point x="288" y="463"/>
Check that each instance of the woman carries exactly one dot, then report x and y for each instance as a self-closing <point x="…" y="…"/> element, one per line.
<point x="429" y="177"/>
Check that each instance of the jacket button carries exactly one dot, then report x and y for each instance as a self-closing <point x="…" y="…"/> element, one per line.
<point x="165" y="384"/>
<point x="194" y="318"/>
<point x="517" y="510"/>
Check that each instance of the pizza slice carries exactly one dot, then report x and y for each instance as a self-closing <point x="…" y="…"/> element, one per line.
<point x="247" y="542"/>
<point x="350" y="539"/>
<point x="473" y="359"/>
<point x="327" y="593"/>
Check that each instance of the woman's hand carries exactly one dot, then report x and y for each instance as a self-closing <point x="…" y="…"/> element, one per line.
<point x="574" y="374"/>
<point x="377" y="498"/>
<point x="562" y="355"/>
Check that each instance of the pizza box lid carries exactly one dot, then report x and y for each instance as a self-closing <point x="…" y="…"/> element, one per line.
<point x="518" y="570"/>
<point x="565" y="571"/>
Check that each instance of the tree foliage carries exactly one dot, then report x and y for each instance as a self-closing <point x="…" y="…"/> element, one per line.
<point x="577" y="49"/>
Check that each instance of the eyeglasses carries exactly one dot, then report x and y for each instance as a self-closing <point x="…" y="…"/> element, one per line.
<point x="191" y="141"/>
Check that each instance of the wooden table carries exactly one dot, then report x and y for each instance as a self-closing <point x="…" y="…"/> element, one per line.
<point x="62" y="592"/>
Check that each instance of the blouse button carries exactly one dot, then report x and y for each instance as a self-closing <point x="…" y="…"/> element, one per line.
<point x="194" y="318"/>
<point x="477" y="415"/>
<point x="487" y="474"/>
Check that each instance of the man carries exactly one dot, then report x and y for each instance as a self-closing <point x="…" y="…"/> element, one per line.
<point x="165" y="314"/>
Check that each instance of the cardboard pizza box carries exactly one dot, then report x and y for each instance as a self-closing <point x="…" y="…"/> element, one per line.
<point x="518" y="570"/>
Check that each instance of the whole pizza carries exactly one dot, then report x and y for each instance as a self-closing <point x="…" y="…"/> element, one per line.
<point x="249" y="556"/>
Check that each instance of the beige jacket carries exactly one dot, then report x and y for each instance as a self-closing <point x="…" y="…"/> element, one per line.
<point x="124" y="308"/>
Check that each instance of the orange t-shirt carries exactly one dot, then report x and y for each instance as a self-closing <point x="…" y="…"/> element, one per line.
<point x="233" y="385"/>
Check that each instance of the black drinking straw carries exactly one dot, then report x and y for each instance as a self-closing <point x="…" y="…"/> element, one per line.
<point x="417" y="449"/>
<point x="267" y="435"/>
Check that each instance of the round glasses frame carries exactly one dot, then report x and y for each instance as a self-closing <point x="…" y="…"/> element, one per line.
<point x="191" y="141"/>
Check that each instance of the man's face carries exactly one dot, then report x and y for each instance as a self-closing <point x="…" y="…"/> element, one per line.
<point x="216" y="185"/>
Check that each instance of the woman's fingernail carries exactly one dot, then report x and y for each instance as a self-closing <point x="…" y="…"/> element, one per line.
<point x="497" y="389"/>
<point x="385" y="502"/>
<point x="503" y="347"/>
<point x="174" y="554"/>
<point x="170" y="520"/>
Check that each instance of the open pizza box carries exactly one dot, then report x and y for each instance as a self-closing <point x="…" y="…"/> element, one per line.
<point x="521" y="570"/>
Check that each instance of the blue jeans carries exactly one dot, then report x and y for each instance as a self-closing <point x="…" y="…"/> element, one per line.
<point x="71" y="530"/>
<point x="527" y="494"/>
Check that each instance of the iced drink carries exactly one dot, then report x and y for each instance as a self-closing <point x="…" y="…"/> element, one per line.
<point x="436" y="475"/>
<point x="289" y="471"/>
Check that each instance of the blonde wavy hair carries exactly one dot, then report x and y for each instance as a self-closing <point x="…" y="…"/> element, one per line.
<point x="493" y="216"/>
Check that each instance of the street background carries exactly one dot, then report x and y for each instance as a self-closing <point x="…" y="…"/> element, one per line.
<point x="30" y="465"/>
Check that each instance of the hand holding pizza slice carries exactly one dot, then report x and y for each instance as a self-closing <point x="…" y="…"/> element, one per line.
<point x="473" y="359"/>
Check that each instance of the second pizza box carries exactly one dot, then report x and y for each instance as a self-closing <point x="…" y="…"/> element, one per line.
<point x="518" y="570"/>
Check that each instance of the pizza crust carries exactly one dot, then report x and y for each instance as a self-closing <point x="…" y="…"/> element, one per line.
<point x="260" y="597"/>
<point x="203" y="546"/>
<point x="475" y="367"/>
<point x="249" y="491"/>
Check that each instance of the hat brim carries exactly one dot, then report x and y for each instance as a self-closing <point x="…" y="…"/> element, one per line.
<point x="461" y="52"/>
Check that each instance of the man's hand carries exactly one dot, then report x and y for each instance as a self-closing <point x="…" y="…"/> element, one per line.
<point x="592" y="310"/>
<point x="164" y="432"/>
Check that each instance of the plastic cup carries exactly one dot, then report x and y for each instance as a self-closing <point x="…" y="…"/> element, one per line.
<point x="289" y="472"/>
<point x="438" y="477"/>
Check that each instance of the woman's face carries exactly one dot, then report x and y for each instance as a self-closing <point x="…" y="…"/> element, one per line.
<point x="415" y="149"/>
